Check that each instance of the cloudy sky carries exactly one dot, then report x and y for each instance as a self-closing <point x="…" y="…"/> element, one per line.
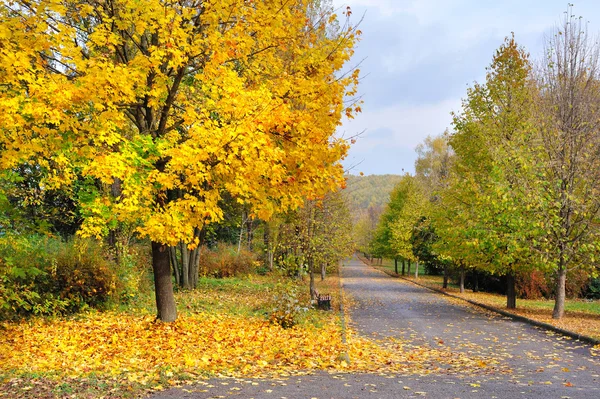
<point x="419" y="57"/>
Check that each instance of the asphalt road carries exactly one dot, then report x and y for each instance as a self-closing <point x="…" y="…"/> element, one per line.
<point x="541" y="364"/>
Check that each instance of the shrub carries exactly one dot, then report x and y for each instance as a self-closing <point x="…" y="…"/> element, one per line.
<point x="286" y="307"/>
<point x="533" y="285"/>
<point x="577" y="282"/>
<point x="292" y="265"/>
<point x="225" y="261"/>
<point x="44" y="275"/>
<point x="133" y="277"/>
<point x="81" y="274"/>
<point x="593" y="289"/>
<point x="537" y="284"/>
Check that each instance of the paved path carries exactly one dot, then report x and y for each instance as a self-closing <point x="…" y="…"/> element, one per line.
<point x="543" y="365"/>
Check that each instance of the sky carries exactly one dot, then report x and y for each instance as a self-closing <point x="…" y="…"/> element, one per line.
<point x="417" y="59"/>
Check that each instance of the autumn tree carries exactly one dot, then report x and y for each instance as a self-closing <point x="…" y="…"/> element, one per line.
<point x="486" y="221"/>
<point x="432" y="166"/>
<point x="179" y="103"/>
<point x="363" y="229"/>
<point x="569" y="121"/>
<point x="383" y="240"/>
<point x="314" y="238"/>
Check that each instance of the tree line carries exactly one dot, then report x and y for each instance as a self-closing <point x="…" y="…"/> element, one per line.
<point x="514" y="186"/>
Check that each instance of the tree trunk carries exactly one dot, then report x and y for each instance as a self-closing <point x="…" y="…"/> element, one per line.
<point x="403" y="266"/>
<point x="462" y="279"/>
<point x="475" y="281"/>
<point x="175" y="264"/>
<point x="559" y="302"/>
<point x="163" y="287"/>
<point x="417" y="270"/>
<point x="511" y="293"/>
<point x="396" y="265"/>
<point x="267" y="243"/>
<point x="249" y="233"/>
<point x="408" y="271"/>
<point x="445" y="285"/>
<point x="193" y="267"/>
<point x="113" y="234"/>
<point x="312" y="279"/>
<point x="185" y="265"/>
<point x="241" y="233"/>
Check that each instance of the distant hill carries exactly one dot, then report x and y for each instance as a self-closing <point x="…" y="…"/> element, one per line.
<point x="373" y="190"/>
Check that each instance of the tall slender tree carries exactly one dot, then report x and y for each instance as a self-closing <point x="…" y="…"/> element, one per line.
<point x="569" y="121"/>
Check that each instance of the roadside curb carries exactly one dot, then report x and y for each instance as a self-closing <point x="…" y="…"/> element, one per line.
<point x="570" y="334"/>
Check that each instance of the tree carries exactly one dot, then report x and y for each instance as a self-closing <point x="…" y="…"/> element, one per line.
<point x="432" y="166"/>
<point x="569" y="121"/>
<point x="363" y="230"/>
<point x="411" y="212"/>
<point x="315" y="237"/>
<point x="432" y="170"/>
<point x="382" y="241"/>
<point x="180" y="102"/>
<point x="488" y="219"/>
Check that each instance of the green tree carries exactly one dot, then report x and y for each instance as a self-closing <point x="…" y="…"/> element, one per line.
<point x="486" y="219"/>
<point x="409" y="214"/>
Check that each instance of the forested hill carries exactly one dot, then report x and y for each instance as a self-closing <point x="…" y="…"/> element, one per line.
<point x="373" y="190"/>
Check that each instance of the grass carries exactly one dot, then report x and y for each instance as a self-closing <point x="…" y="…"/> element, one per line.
<point x="250" y="295"/>
<point x="581" y="316"/>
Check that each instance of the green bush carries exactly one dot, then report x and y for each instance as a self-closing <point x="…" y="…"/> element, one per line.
<point x="44" y="276"/>
<point x="292" y="265"/>
<point x="225" y="261"/>
<point x="593" y="289"/>
<point x="81" y="274"/>
<point x="286" y="307"/>
<point x="133" y="277"/>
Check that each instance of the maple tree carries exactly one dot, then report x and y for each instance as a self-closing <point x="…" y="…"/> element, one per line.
<point x="177" y="103"/>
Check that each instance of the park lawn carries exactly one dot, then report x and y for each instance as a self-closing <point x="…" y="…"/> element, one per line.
<point x="581" y="316"/>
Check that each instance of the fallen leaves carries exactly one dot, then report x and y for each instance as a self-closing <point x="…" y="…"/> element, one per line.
<point x="112" y="344"/>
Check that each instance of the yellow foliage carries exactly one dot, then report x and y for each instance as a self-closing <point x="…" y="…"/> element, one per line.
<point x="178" y="102"/>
